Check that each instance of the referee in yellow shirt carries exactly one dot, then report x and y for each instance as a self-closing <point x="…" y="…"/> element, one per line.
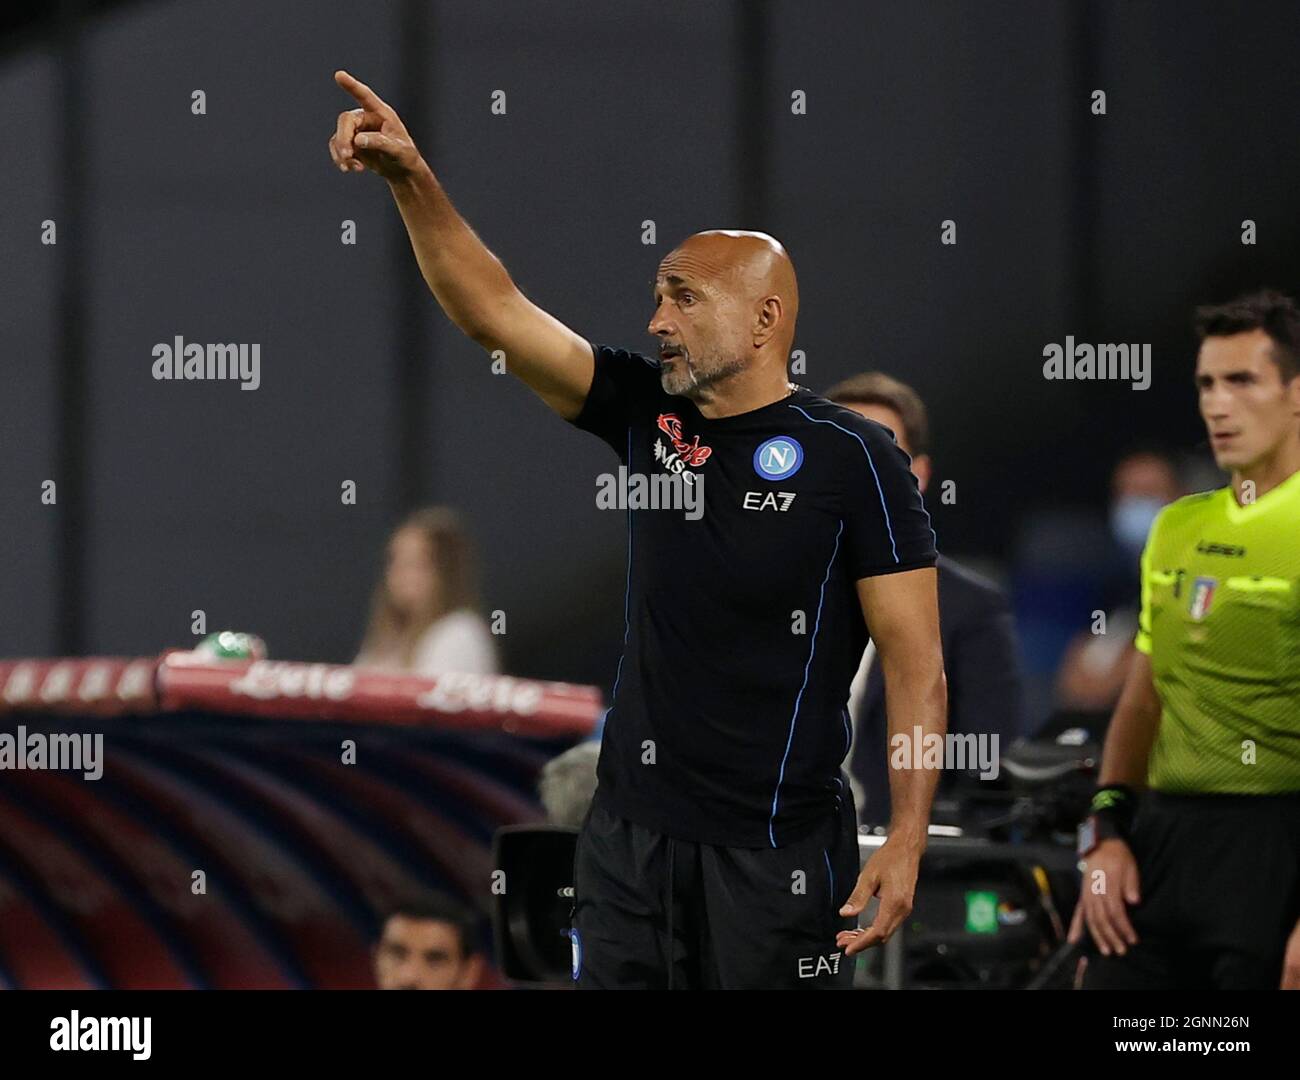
<point x="1195" y="882"/>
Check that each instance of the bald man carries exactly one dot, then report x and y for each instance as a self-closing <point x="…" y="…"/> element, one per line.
<point x="720" y="849"/>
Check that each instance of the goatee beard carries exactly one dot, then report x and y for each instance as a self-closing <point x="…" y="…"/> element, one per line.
<point x="694" y="383"/>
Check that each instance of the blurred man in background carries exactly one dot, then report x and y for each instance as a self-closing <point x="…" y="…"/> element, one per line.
<point x="1142" y="484"/>
<point x="1197" y="884"/>
<point x="428" y="944"/>
<point x="1094" y="666"/>
<point x="980" y="653"/>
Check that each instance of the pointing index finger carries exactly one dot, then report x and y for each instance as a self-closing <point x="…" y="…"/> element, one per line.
<point x="366" y="97"/>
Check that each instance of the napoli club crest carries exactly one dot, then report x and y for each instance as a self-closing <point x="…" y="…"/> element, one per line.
<point x="778" y="458"/>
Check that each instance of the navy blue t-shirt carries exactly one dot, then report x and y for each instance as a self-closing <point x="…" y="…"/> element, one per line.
<point x="744" y="629"/>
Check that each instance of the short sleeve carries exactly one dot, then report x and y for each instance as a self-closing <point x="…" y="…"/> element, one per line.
<point x="1142" y="642"/>
<point x="622" y="381"/>
<point x="887" y="528"/>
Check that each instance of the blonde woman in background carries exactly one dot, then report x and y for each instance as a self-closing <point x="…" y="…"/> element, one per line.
<point x="424" y="617"/>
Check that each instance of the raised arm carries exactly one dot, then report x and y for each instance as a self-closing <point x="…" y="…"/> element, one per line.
<point x="468" y="281"/>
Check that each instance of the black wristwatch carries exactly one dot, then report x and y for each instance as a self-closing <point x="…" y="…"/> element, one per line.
<point x="1109" y="817"/>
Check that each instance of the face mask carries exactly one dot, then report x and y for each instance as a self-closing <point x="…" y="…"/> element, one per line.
<point x="1131" y="518"/>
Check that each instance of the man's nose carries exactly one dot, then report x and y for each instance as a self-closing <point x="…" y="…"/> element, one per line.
<point x="660" y="326"/>
<point x="1214" y="404"/>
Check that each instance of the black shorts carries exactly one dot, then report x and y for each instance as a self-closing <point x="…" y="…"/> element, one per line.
<point x="737" y="918"/>
<point x="1219" y="878"/>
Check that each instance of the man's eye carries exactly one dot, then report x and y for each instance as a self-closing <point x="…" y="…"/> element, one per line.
<point x="687" y="298"/>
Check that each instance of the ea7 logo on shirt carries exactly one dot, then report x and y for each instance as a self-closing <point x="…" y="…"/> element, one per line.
<point x="768" y="500"/>
<point x="812" y="966"/>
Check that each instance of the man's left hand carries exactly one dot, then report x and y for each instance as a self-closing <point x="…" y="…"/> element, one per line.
<point x="890" y="874"/>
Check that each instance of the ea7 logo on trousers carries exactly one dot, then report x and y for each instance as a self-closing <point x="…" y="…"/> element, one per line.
<point x="768" y="500"/>
<point x="812" y="966"/>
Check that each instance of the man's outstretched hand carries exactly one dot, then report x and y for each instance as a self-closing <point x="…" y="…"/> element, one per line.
<point x="372" y="137"/>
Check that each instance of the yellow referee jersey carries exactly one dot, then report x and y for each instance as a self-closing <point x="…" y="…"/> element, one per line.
<point x="1220" y="620"/>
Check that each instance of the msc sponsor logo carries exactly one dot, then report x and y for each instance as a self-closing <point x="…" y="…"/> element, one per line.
<point x="778" y="458"/>
<point x="673" y="462"/>
<point x="692" y="453"/>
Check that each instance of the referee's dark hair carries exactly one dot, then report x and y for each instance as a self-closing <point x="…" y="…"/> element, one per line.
<point x="877" y="388"/>
<point x="1273" y="312"/>
<point x="435" y="907"/>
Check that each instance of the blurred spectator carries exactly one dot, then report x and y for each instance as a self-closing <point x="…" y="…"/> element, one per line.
<point x="1142" y="483"/>
<point x="980" y="652"/>
<point x="1095" y="664"/>
<point x="424" y="618"/>
<point x="428" y="944"/>
<point x="568" y="784"/>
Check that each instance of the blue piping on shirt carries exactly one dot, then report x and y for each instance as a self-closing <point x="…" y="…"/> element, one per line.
<point x="879" y="490"/>
<point x="812" y="651"/>
<point x="627" y="605"/>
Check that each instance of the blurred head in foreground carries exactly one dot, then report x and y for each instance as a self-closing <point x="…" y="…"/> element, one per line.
<point x="428" y="944"/>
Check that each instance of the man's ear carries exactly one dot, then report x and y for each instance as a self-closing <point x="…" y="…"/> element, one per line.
<point x="768" y="319"/>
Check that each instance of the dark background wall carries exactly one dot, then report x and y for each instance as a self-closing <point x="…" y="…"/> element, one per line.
<point x="225" y="228"/>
